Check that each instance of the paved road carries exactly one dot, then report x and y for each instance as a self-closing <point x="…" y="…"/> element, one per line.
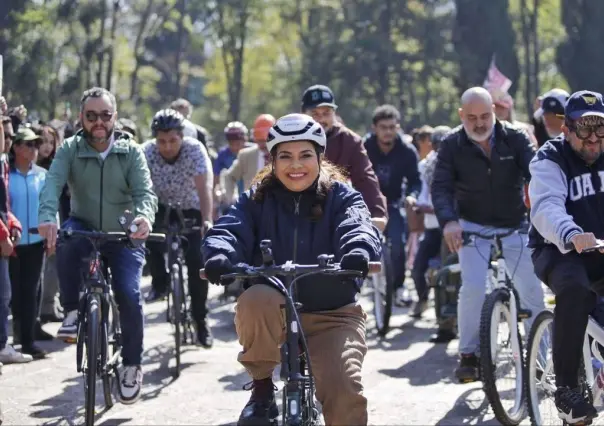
<point x="407" y="381"/>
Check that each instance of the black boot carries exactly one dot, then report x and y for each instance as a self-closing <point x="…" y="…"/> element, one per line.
<point x="204" y="335"/>
<point x="261" y="409"/>
<point x="468" y="369"/>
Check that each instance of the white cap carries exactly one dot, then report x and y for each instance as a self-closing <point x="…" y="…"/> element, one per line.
<point x="554" y="99"/>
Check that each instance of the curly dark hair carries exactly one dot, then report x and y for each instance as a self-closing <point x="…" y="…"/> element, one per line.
<point x="266" y="180"/>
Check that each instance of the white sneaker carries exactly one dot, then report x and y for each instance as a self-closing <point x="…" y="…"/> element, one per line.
<point x="9" y="355"/>
<point x="68" y="331"/>
<point x="130" y="384"/>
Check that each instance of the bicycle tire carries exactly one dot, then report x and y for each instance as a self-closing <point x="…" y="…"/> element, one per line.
<point x="93" y="325"/>
<point x="382" y="303"/>
<point x="112" y="341"/>
<point x="543" y="320"/>
<point x="513" y="416"/>
<point x="176" y="315"/>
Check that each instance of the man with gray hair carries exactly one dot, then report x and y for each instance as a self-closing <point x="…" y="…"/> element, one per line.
<point x="478" y="183"/>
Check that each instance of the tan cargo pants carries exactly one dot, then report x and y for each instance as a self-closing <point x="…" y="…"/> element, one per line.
<point x="336" y="344"/>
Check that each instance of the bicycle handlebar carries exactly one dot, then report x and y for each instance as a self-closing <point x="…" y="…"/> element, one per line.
<point x="467" y="236"/>
<point x="292" y="269"/>
<point x="599" y="246"/>
<point x="99" y="236"/>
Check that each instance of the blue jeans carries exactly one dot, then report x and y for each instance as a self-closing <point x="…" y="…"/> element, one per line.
<point x="126" y="269"/>
<point x="473" y="260"/>
<point x="5" y="296"/>
<point x="396" y="232"/>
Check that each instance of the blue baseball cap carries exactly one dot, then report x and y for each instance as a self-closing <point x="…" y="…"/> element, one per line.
<point x="583" y="104"/>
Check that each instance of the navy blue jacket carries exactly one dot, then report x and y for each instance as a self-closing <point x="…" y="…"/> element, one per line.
<point x="567" y="195"/>
<point x="396" y="169"/>
<point x="284" y="218"/>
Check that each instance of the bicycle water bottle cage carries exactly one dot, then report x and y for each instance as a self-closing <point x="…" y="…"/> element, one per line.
<point x="267" y="252"/>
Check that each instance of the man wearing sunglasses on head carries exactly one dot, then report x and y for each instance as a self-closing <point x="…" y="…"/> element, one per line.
<point x="107" y="173"/>
<point x="567" y="198"/>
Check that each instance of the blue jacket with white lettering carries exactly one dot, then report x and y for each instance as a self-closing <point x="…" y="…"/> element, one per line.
<point x="567" y="195"/>
<point x="298" y="233"/>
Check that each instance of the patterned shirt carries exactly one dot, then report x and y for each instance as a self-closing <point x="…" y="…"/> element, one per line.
<point x="173" y="183"/>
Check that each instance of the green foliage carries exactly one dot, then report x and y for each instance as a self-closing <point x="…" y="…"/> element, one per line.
<point x="236" y="59"/>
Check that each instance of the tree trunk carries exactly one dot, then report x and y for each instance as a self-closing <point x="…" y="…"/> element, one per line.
<point x="182" y="7"/>
<point x="536" y="51"/>
<point x="137" y="48"/>
<point x="116" y="7"/>
<point x="528" y="54"/>
<point x="101" y="51"/>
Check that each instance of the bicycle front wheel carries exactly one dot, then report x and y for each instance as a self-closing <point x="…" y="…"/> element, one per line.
<point x="501" y="359"/>
<point x="93" y="326"/>
<point x="176" y="291"/>
<point x="383" y="294"/>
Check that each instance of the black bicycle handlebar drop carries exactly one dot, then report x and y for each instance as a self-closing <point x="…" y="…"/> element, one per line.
<point x="98" y="235"/>
<point x="467" y="236"/>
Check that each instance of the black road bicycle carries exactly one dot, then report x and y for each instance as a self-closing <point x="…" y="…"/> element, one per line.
<point x="299" y="407"/>
<point x="178" y="304"/>
<point x="98" y="342"/>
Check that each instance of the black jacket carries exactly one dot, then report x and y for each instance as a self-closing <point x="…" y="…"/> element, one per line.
<point x="395" y="170"/>
<point x="285" y="218"/>
<point x="470" y="186"/>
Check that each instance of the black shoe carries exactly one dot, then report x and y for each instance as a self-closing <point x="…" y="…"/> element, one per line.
<point x="442" y="336"/>
<point x="154" y="296"/>
<point x="34" y="351"/>
<point x="467" y="371"/>
<point x="204" y="335"/>
<point x="573" y="407"/>
<point x="261" y="409"/>
<point x="40" y="334"/>
<point x="54" y="317"/>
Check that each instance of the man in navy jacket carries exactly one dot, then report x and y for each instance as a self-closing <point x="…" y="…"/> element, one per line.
<point x="567" y="213"/>
<point x="396" y="166"/>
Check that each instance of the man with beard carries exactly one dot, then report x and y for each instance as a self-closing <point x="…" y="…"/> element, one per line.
<point x="567" y="214"/>
<point x="345" y="149"/>
<point x="107" y="173"/>
<point x="396" y="166"/>
<point x="549" y="117"/>
<point x="478" y="186"/>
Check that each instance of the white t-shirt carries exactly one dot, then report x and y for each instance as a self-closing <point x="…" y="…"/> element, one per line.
<point x="105" y="153"/>
<point x="425" y="198"/>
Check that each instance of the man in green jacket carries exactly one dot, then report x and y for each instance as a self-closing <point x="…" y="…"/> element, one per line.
<point x="107" y="173"/>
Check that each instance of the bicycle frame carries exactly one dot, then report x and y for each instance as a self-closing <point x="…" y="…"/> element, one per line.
<point x="596" y="332"/>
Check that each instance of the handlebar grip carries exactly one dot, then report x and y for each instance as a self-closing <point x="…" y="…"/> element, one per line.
<point x="569" y="246"/>
<point x="156" y="237"/>
<point x="33" y="231"/>
<point x="202" y="274"/>
<point x="375" y="267"/>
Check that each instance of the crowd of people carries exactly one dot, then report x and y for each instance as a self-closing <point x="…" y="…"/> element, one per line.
<point x="290" y="180"/>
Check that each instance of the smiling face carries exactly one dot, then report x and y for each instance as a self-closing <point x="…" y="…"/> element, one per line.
<point x="296" y="165"/>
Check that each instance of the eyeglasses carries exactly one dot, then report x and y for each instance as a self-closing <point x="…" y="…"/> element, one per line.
<point x="9" y="136"/>
<point x="93" y="116"/>
<point x="585" y="132"/>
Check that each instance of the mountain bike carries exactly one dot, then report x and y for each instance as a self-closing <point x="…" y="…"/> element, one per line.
<point x="499" y="353"/>
<point x="299" y="407"/>
<point x="98" y="342"/>
<point x="178" y="311"/>
<point x="540" y="377"/>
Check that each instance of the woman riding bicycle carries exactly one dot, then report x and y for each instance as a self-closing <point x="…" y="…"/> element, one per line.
<point x="302" y="205"/>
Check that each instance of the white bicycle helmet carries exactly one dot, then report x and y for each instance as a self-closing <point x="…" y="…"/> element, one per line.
<point x="296" y="127"/>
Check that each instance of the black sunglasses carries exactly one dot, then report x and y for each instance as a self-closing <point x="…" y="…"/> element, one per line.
<point x="93" y="116"/>
<point x="9" y="136"/>
<point x="585" y="132"/>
